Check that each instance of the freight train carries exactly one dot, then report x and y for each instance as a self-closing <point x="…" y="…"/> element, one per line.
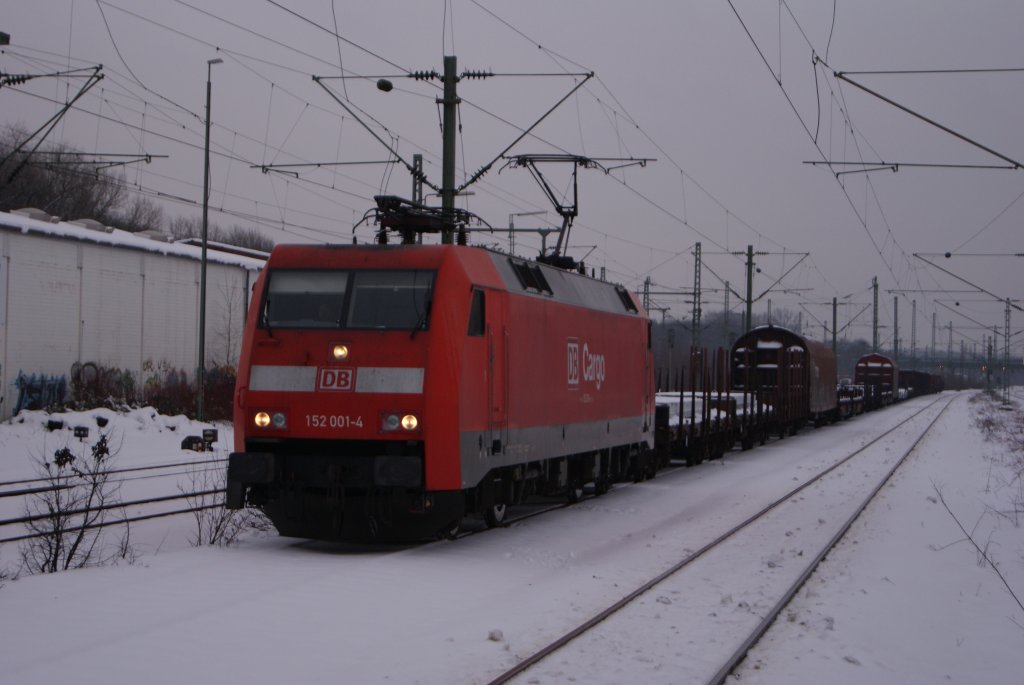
<point x="775" y="382"/>
<point x="387" y="392"/>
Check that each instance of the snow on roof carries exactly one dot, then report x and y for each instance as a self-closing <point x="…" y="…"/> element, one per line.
<point x="89" y="230"/>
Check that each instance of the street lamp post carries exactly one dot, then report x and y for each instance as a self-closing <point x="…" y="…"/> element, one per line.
<point x="201" y="372"/>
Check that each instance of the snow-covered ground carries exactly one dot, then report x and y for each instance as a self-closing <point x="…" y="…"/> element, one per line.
<point x="906" y="599"/>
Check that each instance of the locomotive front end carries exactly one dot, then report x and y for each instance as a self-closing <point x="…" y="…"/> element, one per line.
<point x="330" y="418"/>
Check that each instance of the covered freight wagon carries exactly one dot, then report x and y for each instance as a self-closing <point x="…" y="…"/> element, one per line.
<point x="784" y="370"/>
<point x="880" y="377"/>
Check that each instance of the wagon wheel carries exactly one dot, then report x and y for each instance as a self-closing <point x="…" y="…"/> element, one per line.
<point x="494" y="515"/>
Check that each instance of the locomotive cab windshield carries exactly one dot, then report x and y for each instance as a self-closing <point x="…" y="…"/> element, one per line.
<point x="358" y="299"/>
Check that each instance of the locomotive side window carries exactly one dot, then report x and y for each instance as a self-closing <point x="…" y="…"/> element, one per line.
<point x="476" y="314"/>
<point x="305" y="299"/>
<point x="390" y="299"/>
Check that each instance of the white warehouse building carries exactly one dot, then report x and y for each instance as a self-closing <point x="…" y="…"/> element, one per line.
<point x="75" y="293"/>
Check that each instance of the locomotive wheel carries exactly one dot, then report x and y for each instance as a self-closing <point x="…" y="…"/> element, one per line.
<point x="451" y="531"/>
<point x="494" y="515"/>
<point x="601" y="486"/>
<point x="574" y="493"/>
<point x="652" y="469"/>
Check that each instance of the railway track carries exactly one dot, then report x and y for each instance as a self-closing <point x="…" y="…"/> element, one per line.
<point x="135" y="502"/>
<point x="24" y="486"/>
<point x="703" y="605"/>
<point x="540" y="506"/>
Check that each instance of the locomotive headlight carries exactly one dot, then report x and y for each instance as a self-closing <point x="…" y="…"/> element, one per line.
<point x="393" y="422"/>
<point x="276" y="420"/>
<point x="340" y="352"/>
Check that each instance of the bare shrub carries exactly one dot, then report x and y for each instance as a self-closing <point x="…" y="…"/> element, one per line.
<point x="1003" y="425"/>
<point x="216" y="525"/>
<point x="66" y="518"/>
<point x="167" y="389"/>
<point x="172" y="391"/>
<point x="96" y="385"/>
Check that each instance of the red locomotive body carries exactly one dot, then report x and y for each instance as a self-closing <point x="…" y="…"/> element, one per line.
<point x="880" y="377"/>
<point x="386" y="392"/>
<point x="793" y="376"/>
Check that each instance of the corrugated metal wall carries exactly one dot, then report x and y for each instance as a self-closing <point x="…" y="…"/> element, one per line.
<point x="65" y="302"/>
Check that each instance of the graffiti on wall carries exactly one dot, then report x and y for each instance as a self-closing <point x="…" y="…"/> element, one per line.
<point x="39" y="391"/>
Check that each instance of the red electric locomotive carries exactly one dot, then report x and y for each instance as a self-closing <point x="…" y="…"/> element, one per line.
<point x="385" y="392"/>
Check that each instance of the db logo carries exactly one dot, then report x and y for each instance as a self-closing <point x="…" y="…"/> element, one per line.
<point x="335" y="379"/>
<point x="573" y="349"/>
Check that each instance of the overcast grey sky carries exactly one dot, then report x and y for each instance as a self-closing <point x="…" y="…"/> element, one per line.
<point x="695" y="85"/>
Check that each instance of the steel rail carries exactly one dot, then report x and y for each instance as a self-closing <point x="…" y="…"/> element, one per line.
<point x="628" y="599"/>
<point x="547" y="508"/>
<point x="740" y="654"/>
<point x="29" y="491"/>
<point x="133" y="519"/>
<point x="32" y="518"/>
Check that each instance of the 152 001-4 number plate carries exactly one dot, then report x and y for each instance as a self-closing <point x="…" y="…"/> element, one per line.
<point x="333" y="421"/>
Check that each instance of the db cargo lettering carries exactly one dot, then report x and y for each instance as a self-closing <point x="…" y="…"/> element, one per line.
<point x="593" y="367"/>
<point x="588" y="366"/>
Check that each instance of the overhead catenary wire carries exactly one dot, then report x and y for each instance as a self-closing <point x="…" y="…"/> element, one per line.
<point x="856" y="137"/>
<point x="236" y="55"/>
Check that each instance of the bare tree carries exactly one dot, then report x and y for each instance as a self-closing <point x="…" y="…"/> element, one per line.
<point x="56" y="180"/>
<point x="141" y="214"/>
<point x="230" y="328"/>
<point x="248" y="237"/>
<point x="182" y="228"/>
